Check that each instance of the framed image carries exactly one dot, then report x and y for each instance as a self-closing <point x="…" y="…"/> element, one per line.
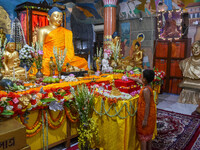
<point x="169" y="25"/>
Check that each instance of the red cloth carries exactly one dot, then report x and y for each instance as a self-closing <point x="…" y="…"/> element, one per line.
<point x="126" y="86"/>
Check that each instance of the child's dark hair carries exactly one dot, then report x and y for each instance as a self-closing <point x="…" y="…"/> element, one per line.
<point x="148" y="74"/>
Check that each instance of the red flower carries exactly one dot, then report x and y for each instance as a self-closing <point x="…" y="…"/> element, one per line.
<point x="1" y="109"/>
<point x="11" y="95"/>
<point x="33" y="102"/>
<point x="11" y="103"/>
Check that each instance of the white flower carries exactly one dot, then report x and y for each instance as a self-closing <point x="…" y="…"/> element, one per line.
<point x="19" y="106"/>
<point x="9" y="107"/>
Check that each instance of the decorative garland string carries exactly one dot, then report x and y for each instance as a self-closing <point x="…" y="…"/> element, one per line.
<point x="57" y="118"/>
<point x="69" y="116"/>
<point x="52" y="124"/>
<point x="47" y="130"/>
<point x="43" y="144"/>
<point x="116" y="112"/>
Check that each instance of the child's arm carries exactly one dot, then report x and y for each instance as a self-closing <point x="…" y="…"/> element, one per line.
<point x="136" y="79"/>
<point x="146" y="93"/>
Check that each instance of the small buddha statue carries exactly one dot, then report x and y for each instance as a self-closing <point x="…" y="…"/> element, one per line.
<point x="137" y="56"/>
<point x="115" y="38"/>
<point x="135" y="60"/>
<point x="52" y="67"/>
<point x="11" y="63"/>
<point x="98" y="63"/>
<point x="115" y="91"/>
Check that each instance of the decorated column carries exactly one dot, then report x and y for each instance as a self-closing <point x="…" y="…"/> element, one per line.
<point x="109" y="19"/>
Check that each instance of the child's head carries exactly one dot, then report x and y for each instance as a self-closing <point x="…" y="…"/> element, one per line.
<point x="148" y="75"/>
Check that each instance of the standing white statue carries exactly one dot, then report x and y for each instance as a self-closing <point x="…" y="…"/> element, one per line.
<point x="105" y="64"/>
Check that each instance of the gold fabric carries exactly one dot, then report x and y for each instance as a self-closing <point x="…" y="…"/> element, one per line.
<point x="116" y="133"/>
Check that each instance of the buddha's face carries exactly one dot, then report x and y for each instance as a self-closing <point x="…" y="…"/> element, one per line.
<point x="140" y="39"/>
<point x="11" y="47"/>
<point x="196" y="50"/>
<point x="56" y="18"/>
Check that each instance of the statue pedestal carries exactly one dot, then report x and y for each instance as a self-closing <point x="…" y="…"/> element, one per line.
<point x="190" y="93"/>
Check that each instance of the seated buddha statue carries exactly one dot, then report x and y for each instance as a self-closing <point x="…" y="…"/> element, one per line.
<point x="54" y="35"/>
<point x="11" y="60"/>
<point x="135" y="60"/>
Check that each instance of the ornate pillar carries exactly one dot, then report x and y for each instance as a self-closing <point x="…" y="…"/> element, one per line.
<point x="109" y="19"/>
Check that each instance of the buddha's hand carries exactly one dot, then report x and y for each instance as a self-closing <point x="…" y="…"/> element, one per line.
<point x="7" y="72"/>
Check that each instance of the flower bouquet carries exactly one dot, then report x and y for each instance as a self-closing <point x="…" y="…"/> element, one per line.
<point x="60" y="58"/>
<point x="25" y="55"/>
<point x="84" y="101"/>
<point x="37" y="58"/>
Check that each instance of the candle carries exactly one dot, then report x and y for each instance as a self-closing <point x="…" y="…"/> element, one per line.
<point x="25" y="72"/>
<point x="13" y="73"/>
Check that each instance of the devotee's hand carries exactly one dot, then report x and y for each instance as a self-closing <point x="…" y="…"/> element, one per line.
<point x="144" y="123"/>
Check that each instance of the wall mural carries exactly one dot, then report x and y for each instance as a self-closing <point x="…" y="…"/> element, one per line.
<point x="128" y="9"/>
<point x="125" y="38"/>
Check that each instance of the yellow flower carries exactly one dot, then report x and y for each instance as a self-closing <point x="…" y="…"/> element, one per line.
<point x="3" y="99"/>
<point x="29" y="106"/>
<point x="50" y="95"/>
<point x="23" y="110"/>
<point x="39" y="103"/>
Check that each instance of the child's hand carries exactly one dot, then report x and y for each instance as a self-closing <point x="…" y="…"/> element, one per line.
<point x="144" y="123"/>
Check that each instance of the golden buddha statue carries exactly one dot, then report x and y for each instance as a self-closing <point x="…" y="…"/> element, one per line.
<point x="98" y="63"/>
<point x="140" y="38"/>
<point x="52" y="67"/>
<point x="11" y="63"/>
<point x="115" y="38"/>
<point x="115" y="91"/>
<point x="135" y="60"/>
<point x="54" y="35"/>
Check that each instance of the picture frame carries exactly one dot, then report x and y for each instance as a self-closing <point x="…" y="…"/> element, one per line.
<point x="169" y="25"/>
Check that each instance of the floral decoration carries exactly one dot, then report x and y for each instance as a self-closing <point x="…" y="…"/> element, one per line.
<point x="38" y="55"/>
<point x="25" y="55"/>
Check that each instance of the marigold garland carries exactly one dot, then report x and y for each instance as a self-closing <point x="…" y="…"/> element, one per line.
<point x="35" y="128"/>
<point x="57" y="118"/>
<point x="38" y="120"/>
<point x="52" y="124"/>
<point x="72" y="118"/>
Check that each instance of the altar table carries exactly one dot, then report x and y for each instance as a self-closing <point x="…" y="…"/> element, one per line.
<point x="117" y="132"/>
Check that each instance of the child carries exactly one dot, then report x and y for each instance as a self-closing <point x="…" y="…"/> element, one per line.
<point x="146" y="112"/>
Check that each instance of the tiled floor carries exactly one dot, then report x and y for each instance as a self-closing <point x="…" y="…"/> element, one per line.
<point x="167" y="102"/>
<point x="170" y="102"/>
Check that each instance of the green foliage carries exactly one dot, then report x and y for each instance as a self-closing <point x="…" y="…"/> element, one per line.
<point x="84" y="101"/>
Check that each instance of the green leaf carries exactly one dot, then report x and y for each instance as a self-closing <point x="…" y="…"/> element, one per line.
<point x="48" y="100"/>
<point x="7" y="113"/>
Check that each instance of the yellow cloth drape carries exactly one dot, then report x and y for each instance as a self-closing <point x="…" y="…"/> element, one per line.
<point x="116" y="133"/>
<point x="60" y="38"/>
